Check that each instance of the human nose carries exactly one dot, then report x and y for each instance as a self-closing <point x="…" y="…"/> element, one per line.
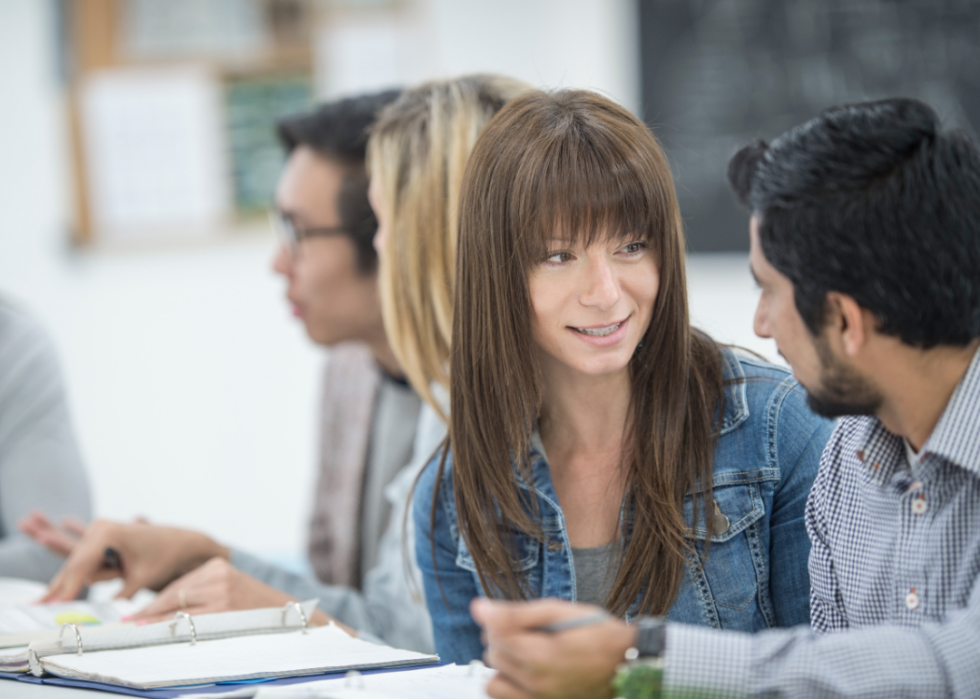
<point x="282" y="263"/>
<point x="602" y="286"/>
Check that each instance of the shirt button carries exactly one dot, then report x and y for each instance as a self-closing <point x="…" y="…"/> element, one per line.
<point x="912" y="600"/>
<point x="919" y="506"/>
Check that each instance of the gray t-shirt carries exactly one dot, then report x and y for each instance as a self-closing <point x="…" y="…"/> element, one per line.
<point x="40" y="466"/>
<point x="396" y="414"/>
<point x="594" y="573"/>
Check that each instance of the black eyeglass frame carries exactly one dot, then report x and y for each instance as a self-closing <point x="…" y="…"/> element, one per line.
<point x="290" y="236"/>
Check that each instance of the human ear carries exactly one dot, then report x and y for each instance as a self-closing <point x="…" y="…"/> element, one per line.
<point x="854" y="323"/>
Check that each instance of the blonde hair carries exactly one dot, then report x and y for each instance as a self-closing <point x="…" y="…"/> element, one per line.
<point x="417" y="152"/>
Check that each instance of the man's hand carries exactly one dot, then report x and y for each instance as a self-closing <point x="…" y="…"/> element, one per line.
<point x="217" y="586"/>
<point x="574" y="664"/>
<point x="149" y="556"/>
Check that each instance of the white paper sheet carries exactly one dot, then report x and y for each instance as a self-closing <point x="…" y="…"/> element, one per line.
<point x="21" y="618"/>
<point x="17" y="591"/>
<point x="449" y="682"/>
<point x="155" y="153"/>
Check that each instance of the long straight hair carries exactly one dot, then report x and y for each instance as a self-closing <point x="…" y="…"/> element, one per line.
<point x="575" y="164"/>
<point x="418" y="151"/>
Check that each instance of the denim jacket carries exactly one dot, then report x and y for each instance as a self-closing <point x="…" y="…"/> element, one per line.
<point x="755" y="575"/>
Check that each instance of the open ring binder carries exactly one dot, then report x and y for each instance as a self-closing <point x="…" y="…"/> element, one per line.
<point x="230" y="647"/>
<point x="173" y="626"/>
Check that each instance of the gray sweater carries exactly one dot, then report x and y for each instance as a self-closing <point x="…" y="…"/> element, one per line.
<point x="40" y="466"/>
<point x="390" y="607"/>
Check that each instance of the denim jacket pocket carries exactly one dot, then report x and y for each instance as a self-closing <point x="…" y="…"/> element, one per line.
<point x="726" y="587"/>
<point x="740" y="503"/>
<point x="528" y="550"/>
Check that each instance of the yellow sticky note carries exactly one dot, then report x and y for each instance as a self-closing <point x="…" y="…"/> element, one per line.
<point x="77" y="618"/>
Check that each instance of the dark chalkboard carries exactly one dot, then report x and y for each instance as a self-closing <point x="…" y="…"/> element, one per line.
<point x="720" y="73"/>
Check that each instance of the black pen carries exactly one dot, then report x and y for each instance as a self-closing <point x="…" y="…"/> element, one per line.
<point x="568" y="624"/>
<point x="111" y="559"/>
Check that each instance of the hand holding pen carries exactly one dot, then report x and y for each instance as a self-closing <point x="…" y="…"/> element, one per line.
<point x="551" y="648"/>
<point x="143" y="555"/>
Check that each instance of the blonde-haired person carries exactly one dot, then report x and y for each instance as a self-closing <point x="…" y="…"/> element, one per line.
<point x="602" y="449"/>
<point x="416" y="158"/>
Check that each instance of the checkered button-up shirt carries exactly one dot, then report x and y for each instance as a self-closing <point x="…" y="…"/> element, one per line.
<point x="894" y="569"/>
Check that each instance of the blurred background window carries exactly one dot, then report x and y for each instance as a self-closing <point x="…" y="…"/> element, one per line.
<point x="173" y="104"/>
<point x="720" y="73"/>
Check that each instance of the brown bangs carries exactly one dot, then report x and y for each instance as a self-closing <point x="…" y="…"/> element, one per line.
<point x="581" y="177"/>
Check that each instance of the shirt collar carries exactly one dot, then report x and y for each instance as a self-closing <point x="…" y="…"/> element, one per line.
<point x="955" y="439"/>
<point x="957" y="434"/>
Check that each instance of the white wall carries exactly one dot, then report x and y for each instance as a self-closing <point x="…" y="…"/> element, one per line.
<point x="722" y="296"/>
<point x="193" y="390"/>
<point x="548" y="43"/>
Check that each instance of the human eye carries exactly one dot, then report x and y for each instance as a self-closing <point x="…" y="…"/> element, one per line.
<point x="558" y="258"/>
<point x="634" y="249"/>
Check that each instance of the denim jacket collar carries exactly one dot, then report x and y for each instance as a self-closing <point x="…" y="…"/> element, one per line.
<point x="736" y="403"/>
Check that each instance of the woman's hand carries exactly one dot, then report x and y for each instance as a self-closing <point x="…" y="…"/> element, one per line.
<point x="217" y="586"/>
<point x="149" y="556"/>
<point x="575" y="664"/>
<point x="60" y="539"/>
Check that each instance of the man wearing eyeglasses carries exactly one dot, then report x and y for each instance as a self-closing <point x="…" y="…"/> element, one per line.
<point x="369" y="415"/>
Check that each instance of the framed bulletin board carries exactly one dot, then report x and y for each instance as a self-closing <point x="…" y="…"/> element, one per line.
<point x="172" y="106"/>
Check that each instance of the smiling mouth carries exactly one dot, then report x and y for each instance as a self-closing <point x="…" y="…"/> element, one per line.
<point x="600" y="332"/>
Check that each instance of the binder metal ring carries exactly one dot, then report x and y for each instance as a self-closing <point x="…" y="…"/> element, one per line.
<point x="190" y="621"/>
<point x="78" y="637"/>
<point x="299" y="610"/>
<point x="33" y="663"/>
<point x="476" y="667"/>
<point x="354" y="680"/>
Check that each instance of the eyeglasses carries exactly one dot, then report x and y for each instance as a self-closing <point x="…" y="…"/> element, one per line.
<point x="290" y="236"/>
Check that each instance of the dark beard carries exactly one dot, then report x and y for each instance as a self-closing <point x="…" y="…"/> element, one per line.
<point x="843" y="391"/>
<point x="826" y="406"/>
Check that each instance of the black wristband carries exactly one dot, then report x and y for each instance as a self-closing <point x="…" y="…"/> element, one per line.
<point x="650" y="635"/>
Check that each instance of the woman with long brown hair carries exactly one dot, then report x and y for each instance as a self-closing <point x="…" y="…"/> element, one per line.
<point x="600" y="448"/>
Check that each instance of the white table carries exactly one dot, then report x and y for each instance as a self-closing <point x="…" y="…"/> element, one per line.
<point x="12" y="689"/>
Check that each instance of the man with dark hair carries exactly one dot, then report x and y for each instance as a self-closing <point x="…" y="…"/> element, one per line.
<point x="337" y="133"/>
<point x="865" y="242"/>
<point x="368" y="421"/>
